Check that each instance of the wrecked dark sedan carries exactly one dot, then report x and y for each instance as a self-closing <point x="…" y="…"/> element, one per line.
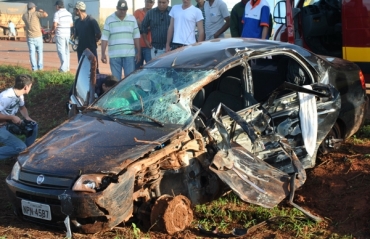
<point x="232" y="114"/>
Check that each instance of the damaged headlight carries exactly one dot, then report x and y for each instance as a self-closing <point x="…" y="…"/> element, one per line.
<point x="92" y="183"/>
<point x="15" y="172"/>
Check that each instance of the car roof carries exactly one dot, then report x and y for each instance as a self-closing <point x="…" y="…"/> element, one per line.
<point x="209" y="54"/>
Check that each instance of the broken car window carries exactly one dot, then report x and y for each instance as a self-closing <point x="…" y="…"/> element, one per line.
<point x="154" y="93"/>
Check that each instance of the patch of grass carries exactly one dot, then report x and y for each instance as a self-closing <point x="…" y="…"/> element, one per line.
<point x="135" y="231"/>
<point x="362" y="135"/>
<point x="229" y="211"/>
<point x="357" y="140"/>
<point x="42" y="78"/>
<point x="336" y="236"/>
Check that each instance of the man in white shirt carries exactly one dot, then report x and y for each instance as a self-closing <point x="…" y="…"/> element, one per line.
<point x="217" y="18"/>
<point x="184" y="19"/>
<point x="62" y="27"/>
<point x="121" y="35"/>
<point x="11" y="100"/>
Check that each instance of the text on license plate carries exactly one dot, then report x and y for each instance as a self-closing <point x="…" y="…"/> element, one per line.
<point x="37" y="210"/>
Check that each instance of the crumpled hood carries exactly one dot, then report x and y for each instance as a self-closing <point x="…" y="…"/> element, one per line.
<point x="87" y="144"/>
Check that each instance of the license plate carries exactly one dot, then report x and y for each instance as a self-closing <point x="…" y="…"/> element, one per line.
<point x="37" y="210"/>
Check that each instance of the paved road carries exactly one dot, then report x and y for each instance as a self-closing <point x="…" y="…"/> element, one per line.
<point x="16" y="53"/>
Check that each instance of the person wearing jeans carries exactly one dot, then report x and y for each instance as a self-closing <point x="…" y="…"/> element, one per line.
<point x="145" y="51"/>
<point x="62" y="28"/>
<point x="117" y="63"/>
<point x="121" y="33"/>
<point x="62" y="43"/>
<point x="34" y="35"/>
<point x="156" y="23"/>
<point x="36" y="45"/>
<point x="12" y="100"/>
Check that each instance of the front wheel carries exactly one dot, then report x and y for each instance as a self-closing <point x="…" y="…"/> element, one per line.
<point x="171" y="214"/>
<point x="332" y="140"/>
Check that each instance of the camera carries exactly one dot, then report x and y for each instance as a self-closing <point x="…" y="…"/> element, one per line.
<point x="24" y="128"/>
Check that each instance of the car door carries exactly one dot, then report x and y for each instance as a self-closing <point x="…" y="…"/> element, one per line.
<point x="82" y="92"/>
<point x="263" y="148"/>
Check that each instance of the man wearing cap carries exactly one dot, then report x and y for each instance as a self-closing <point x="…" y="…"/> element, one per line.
<point x="62" y="27"/>
<point x="121" y="33"/>
<point x="35" y="43"/>
<point x="156" y="22"/>
<point x="86" y="30"/>
<point x="184" y="19"/>
<point x="139" y="15"/>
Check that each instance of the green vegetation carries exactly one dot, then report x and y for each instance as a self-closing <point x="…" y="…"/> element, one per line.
<point x="50" y="86"/>
<point x="135" y="230"/>
<point x="43" y="78"/>
<point x="365" y="131"/>
<point x="362" y="136"/>
<point x="229" y="211"/>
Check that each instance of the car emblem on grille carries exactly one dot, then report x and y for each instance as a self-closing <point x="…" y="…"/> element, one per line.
<point x="40" y="179"/>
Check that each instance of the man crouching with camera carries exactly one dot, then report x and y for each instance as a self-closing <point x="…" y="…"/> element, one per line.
<point x="12" y="100"/>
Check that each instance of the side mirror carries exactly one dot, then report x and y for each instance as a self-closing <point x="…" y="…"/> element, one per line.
<point x="72" y="110"/>
<point x="280" y="12"/>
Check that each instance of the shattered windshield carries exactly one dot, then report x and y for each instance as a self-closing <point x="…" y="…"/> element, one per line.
<point x="152" y="94"/>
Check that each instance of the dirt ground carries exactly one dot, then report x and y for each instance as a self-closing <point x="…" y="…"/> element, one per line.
<point x="336" y="190"/>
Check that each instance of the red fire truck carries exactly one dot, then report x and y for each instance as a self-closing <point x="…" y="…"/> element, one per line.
<point x="339" y="28"/>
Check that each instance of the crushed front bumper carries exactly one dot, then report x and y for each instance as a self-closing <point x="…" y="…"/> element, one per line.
<point x="88" y="212"/>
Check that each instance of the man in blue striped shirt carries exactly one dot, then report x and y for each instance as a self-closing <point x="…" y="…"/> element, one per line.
<point x="121" y="33"/>
<point x="157" y="20"/>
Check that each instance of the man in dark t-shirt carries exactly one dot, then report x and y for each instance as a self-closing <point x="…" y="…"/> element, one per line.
<point x="87" y="31"/>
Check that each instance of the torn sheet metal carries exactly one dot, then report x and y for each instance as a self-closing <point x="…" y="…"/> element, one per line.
<point x="252" y="179"/>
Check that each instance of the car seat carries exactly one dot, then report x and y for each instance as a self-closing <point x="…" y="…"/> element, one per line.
<point x="229" y="92"/>
<point x="199" y="98"/>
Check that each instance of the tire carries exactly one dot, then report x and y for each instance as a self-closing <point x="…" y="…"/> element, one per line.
<point x="335" y="133"/>
<point x="47" y="37"/>
<point x="6" y="32"/>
